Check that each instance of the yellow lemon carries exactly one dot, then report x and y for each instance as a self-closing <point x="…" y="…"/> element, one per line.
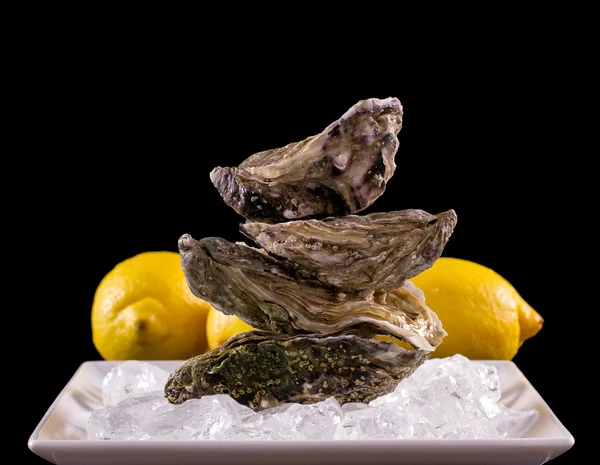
<point x="220" y="327"/>
<point x="484" y="315"/>
<point x="143" y="310"/>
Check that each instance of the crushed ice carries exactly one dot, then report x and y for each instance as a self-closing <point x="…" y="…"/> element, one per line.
<point x="447" y="398"/>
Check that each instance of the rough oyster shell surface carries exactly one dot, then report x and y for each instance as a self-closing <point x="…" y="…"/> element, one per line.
<point x="264" y="370"/>
<point x="353" y="253"/>
<point x="268" y="294"/>
<point x="340" y="171"/>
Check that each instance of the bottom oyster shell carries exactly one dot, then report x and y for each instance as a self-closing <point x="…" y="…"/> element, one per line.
<point x="263" y="370"/>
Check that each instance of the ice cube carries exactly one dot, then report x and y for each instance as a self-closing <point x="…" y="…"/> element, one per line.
<point x="132" y="379"/>
<point x="209" y="417"/>
<point x="352" y="407"/>
<point x="111" y="423"/>
<point x="381" y="422"/>
<point x="143" y="407"/>
<point x="511" y="423"/>
<point x="312" y="421"/>
<point x="292" y="421"/>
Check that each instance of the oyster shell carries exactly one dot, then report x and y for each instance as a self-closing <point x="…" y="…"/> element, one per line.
<point x="264" y="370"/>
<point x="271" y="295"/>
<point x="354" y="253"/>
<point x="340" y="171"/>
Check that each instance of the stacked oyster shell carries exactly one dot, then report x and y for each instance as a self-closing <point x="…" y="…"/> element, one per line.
<point x="325" y="281"/>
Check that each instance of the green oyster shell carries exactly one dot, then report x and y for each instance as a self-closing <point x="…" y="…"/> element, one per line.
<point x="263" y="370"/>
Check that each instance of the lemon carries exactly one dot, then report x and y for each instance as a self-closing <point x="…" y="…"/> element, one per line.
<point x="143" y="310"/>
<point x="220" y="327"/>
<point x="484" y="315"/>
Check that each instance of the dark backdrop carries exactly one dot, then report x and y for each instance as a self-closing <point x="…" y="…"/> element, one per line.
<point x="126" y="146"/>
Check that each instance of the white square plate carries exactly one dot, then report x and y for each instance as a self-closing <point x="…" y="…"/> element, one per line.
<point x="60" y="436"/>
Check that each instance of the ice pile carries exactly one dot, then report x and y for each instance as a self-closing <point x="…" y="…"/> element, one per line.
<point x="448" y="398"/>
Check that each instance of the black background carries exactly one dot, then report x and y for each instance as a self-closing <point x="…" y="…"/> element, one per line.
<point x="126" y="139"/>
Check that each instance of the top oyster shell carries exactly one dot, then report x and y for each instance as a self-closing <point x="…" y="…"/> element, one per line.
<point x="354" y="253"/>
<point x="340" y="171"/>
